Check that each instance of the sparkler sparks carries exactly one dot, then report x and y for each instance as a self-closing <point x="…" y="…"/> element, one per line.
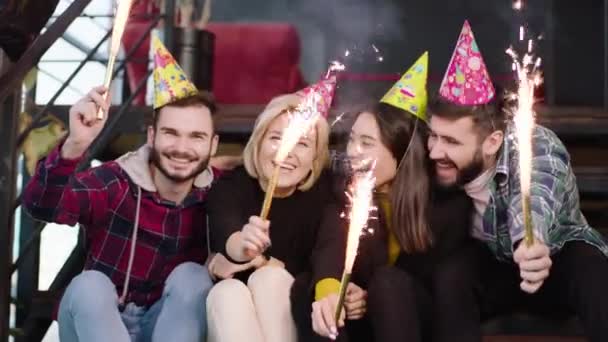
<point x="360" y="206"/>
<point x="333" y="67"/>
<point x="337" y="119"/>
<point x="518" y="5"/>
<point x="364" y="53"/>
<point x="301" y="121"/>
<point x="528" y="77"/>
<point x="360" y="198"/>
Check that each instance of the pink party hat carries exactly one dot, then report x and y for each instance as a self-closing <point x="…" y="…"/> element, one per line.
<point x="466" y="81"/>
<point x="326" y="89"/>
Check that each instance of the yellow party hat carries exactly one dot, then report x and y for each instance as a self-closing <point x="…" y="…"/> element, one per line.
<point x="409" y="93"/>
<point x="170" y="81"/>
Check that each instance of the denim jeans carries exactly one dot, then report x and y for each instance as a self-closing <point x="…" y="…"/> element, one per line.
<point x="89" y="310"/>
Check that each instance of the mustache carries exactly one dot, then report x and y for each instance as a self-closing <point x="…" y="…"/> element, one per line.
<point x="446" y="161"/>
<point x="181" y="155"/>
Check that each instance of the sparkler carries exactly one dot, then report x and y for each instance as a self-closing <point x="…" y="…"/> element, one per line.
<point x="338" y="119"/>
<point x="120" y="21"/>
<point x="518" y="5"/>
<point x="301" y="121"/>
<point x="528" y="77"/>
<point x="360" y="199"/>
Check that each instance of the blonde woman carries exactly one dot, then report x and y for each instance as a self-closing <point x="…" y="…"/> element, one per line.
<point x="258" y="259"/>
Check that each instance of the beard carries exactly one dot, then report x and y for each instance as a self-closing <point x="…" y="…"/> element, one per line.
<point x="466" y="173"/>
<point x="155" y="158"/>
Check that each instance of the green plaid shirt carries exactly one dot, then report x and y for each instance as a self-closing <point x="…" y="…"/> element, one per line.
<point x="554" y="198"/>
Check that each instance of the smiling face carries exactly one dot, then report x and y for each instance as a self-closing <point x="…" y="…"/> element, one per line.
<point x="182" y="142"/>
<point x="459" y="151"/>
<point x="297" y="165"/>
<point x="365" y="145"/>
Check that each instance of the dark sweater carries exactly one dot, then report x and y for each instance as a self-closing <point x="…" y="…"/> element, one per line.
<point x="449" y="220"/>
<point x="294" y="220"/>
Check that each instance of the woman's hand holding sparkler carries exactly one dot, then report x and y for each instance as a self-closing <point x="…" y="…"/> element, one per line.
<point x="534" y="263"/>
<point x="255" y="237"/>
<point x="323" y="311"/>
<point x="323" y="316"/>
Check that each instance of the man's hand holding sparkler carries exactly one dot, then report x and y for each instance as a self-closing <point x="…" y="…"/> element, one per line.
<point x="534" y="263"/>
<point x="84" y="124"/>
<point x="355" y="302"/>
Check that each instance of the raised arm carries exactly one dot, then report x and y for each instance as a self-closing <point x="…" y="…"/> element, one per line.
<point x="55" y="193"/>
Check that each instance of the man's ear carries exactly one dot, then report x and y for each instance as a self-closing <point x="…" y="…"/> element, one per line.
<point x="150" y="136"/>
<point x="214" y="143"/>
<point x="492" y="143"/>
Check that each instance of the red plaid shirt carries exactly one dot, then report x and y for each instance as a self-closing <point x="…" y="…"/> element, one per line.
<point x="103" y="200"/>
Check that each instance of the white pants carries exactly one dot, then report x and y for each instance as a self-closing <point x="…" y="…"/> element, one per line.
<point x="257" y="312"/>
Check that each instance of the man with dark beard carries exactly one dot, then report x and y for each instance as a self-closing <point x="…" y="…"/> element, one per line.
<point x="565" y="270"/>
<point x="143" y="215"/>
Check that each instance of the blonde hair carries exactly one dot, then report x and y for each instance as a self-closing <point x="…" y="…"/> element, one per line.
<point x="278" y="106"/>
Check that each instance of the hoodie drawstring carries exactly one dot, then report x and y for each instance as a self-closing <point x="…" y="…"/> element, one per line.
<point x="125" y="288"/>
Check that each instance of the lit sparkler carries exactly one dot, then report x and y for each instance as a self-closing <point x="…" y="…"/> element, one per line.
<point x="528" y="76"/>
<point x="337" y="119"/>
<point x="120" y="21"/>
<point x="518" y="5"/>
<point x="334" y="67"/>
<point x="301" y="121"/>
<point x="360" y="198"/>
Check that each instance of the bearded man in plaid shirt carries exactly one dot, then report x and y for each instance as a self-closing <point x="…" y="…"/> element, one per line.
<point x="144" y="220"/>
<point x="565" y="271"/>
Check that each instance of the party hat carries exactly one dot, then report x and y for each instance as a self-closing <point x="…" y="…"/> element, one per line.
<point x="325" y="89"/>
<point x="466" y="81"/>
<point x="409" y="93"/>
<point x="170" y="81"/>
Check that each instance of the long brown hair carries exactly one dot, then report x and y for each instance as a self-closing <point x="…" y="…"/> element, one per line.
<point x="403" y="134"/>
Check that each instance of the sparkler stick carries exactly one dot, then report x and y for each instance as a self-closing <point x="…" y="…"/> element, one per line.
<point x="342" y="294"/>
<point x="301" y="121"/>
<point x="528" y="76"/>
<point x="360" y="199"/>
<point x="120" y="21"/>
<point x="270" y="192"/>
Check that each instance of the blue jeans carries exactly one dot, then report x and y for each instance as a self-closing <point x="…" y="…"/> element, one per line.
<point x="88" y="311"/>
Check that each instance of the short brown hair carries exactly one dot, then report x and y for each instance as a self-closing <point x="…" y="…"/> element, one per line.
<point x="200" y="99"/>
<point x="487" y="118"/>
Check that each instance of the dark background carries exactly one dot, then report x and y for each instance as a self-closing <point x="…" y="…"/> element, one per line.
<point x="572" y="49"/>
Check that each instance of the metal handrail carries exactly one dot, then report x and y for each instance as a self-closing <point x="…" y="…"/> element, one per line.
<point x="12" y="79"/>
<point x="65" y="84"/>
<point x="120" y="67"/>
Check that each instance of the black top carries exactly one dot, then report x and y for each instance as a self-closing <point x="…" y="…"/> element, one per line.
<point x="449" y="221"/>
<point x="294" y="220"/>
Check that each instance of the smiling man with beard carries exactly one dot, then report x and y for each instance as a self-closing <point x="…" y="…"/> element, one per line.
<point x="472" y="145"/>
<point x="143" y="215"/>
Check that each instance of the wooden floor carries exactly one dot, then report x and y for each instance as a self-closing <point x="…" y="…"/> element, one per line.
<point x="532" y="339"/>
